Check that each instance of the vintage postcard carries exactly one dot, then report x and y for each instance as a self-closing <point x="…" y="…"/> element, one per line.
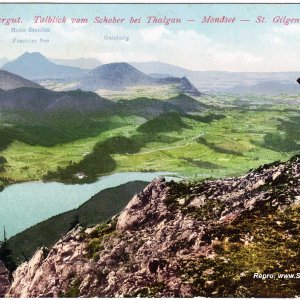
<point x="149" y="150"/>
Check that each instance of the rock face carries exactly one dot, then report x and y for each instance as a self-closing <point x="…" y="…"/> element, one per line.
<point x="144" y="207"/>
<point x="184" y="85"/>
<point x="4" y="280"/>
<point x="179" y="240"/>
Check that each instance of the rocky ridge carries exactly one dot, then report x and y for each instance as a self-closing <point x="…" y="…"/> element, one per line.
<point x="4" y="280"/>
<point x="181" y="239"/>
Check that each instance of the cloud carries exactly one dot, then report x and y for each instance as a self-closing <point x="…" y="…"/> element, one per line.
<point x="293" y="29"/>
<point x="194" y="50"/>
<point x="154" y="34"/>
<point x="274" y="38"/>
<point x="279" y="48"/>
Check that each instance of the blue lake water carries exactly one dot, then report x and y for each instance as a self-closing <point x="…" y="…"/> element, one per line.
<point x="25" y="204"/>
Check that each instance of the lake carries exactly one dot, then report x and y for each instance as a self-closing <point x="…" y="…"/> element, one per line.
<point x="26" y="204"/>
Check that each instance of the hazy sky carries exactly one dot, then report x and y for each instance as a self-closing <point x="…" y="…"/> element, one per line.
<point x="243" y="46"/>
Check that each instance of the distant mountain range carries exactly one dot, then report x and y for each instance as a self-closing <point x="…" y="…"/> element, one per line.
<point x="36" y="66"/>
<point x="114" y="76"/>
<point x="9" y="81"/>
<point x="83" y="63"/>
<point x="119" y="76"/>
<point x="91" y="75"/>
<point x="203" y="80"/>
<point x="216" y="81"/>
<point x="266" y="88"/>
<point x="19" y="94"/>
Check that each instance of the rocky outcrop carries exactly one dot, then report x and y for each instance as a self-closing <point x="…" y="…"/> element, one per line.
<point x="183" y="85"/>
<point x="144" y="207"/>
<point x="4" y="280"/>
<point x="49" y="273"/>
<point x="180" y="239"/>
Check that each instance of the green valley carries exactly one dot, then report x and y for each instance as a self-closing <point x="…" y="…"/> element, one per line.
<point x="216" y="142"/>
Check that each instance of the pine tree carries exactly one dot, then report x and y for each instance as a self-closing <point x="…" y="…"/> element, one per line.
<point x="6" y="254"/>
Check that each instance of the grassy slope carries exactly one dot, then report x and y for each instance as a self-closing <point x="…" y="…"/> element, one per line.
<point x="273" y="249"/>
<point x="98" y="209"/>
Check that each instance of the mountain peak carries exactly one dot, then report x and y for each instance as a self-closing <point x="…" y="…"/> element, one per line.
<point x="122" y="63"/>
<point x="34" y="65"/>
<point x="32" y="55"/>
<point x="115" y="76"/>
<point x="118" y="66"/>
